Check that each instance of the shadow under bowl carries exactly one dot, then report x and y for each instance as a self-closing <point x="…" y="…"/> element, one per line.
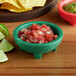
<point x="38" y="49"/>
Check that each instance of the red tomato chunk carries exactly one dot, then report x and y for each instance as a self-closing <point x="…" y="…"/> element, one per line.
<point x="37" y="34"/>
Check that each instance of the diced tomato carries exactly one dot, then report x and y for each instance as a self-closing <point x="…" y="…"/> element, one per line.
<point x="28" y="33"/>
<point x="35" y="40"/>
<point x="22" y="38"/>
<point x="23" y="29"/>
<point x="48" y="28"/>
<point x="27" y="40"/>
<point x="31" y="38"/>
<point x="38" y="27"/>
<point x="44" y="26"/>
<point x="29" y="28"/>
<point x="40" y="33"/>
<point x="45" y="41"/>
<point x="35" y="34"/>
<point x="48" y="35"/>
<point x="20" y="32"/>
<point x="43" y="29"/>
<point x="35" y="27"/>
<point x="41" y="41"/>
<point x="55" y="36"/>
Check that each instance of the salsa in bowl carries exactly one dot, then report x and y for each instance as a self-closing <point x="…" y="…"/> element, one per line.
<point x="70" y="7"/>
<point x="67" y="9"/>
<point x="36" y="48"/>
<point x="37" y="34"/>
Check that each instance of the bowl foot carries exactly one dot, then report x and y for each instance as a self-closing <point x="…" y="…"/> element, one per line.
<point x="37" y="55"/>
<point x="54" y="50"/>
<point x="73" y="24"/>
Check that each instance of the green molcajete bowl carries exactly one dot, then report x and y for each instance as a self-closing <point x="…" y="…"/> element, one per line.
<point x="38" y="49"/>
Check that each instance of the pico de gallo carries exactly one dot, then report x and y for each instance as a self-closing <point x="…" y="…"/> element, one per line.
<point x="37" y="34"/>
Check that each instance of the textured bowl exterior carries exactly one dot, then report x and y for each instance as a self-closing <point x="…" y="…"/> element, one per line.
<point x="38" y="49"/>
<point x="66" y="15"/>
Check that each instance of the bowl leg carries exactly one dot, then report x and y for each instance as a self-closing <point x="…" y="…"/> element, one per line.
<point x="73" y="24"/>
<point x="37" y="55"/>
<point x="54" y="50"/>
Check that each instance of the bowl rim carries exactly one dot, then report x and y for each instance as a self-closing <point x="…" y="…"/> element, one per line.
<point x="15" y="33"/>
<point x="60" y="7"/>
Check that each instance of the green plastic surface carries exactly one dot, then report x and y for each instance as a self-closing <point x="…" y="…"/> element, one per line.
<point x="38" y="49"/>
